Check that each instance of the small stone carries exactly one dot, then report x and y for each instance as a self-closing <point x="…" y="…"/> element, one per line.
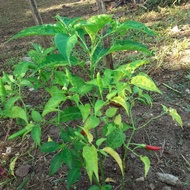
<point x="166" y="188"/>
<point x="175" y="29"/>
<point x="140" y="179"/>
<point x="168" y="178"/>
<point x="22" y="170"/>
<point x="152" y="186"/>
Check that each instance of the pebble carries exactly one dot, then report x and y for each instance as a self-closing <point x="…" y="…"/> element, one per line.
<point x="168" y="178"/>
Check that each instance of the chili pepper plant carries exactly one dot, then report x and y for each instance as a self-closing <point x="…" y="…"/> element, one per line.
<point x="96" y="100"/>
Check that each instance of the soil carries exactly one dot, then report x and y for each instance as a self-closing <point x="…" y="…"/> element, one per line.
<point x="172" y="77"/>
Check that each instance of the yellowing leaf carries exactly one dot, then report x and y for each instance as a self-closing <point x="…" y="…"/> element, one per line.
<point x="145" y="82"/>
<point x="12" y="165"/>
<point x="49" y="139"/>
<point x="88" y="134"/>
<point x="176" y="116"/>
<point x="116" y="156"/>
<point x="121" y="101"/>
<point x="146" y="162"/>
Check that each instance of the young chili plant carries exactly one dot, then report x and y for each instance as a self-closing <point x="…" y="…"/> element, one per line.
<point x="96" y="100"/>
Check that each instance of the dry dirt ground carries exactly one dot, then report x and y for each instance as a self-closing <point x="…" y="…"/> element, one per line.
<point x="171" y="74"/>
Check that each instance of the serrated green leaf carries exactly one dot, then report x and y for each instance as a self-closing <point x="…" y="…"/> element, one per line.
<point x="115" y="139"/>
<point x="116" y="156"/>
<point x="36" y="134"/>
<point x="73" y="176"/>
<point x="143" y="81"/>
<point x="146" y="162"/>
<point x="175" y="116"/>
<point x="91" y="161"/>
<point x="65" y="45"/>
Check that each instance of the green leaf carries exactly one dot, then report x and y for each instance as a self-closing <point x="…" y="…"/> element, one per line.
<point x="70" y="114"/>
<point x="9" y="104"/>
<point x="108" y="128"/>
<point x="65" y="45"/>
<point x="27" y="83"/>
<point x="118" y="119"/>
<point x="94" y="187"/>
<point x="56" y="163"/>
<point x="51" y="147"/>
<point x="67" y="22"/>
<point x="128" y="45"/>
<point x="73" y="176"/>
<point x="45" y="29"/>
<point x="111" y="94"/>
<point x="175" y="116"/>
<point x="111" y="112"/>
<point x="91" y="122"/>
<point x="52" y="103"/>
<point x="26" y="129"/>
<point x="85" y="111"/>
<point x="115" y="139"/>
<point x="106" y="187"/>
<point x="100" y="141"/>
<point x="91" y="161"/>
<point x="123" y="27"/>
<point x="84" y="89"/>
<point x="98" y="106"/>
<point x="129" y="68"/>
<point x="36" y="134"/>
<point x="60" y="78"/>
<point x="94" y="24"/>
<point x="18" y="112"/>
<point x="146" y="162"/>
<point x="98" y="54"/>
<point x="2" y="91"/>
<point x="145" y="82"/>
<point x="21" y="69"/>
<point x="121" y="101"/>
<point x="36" y="116"/>
<point x="116" y="156"/>
<point x="67" y="157"/>
<point x="99" y="83"/>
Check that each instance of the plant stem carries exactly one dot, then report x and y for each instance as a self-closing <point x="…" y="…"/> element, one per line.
<point x="152" y="119"/>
